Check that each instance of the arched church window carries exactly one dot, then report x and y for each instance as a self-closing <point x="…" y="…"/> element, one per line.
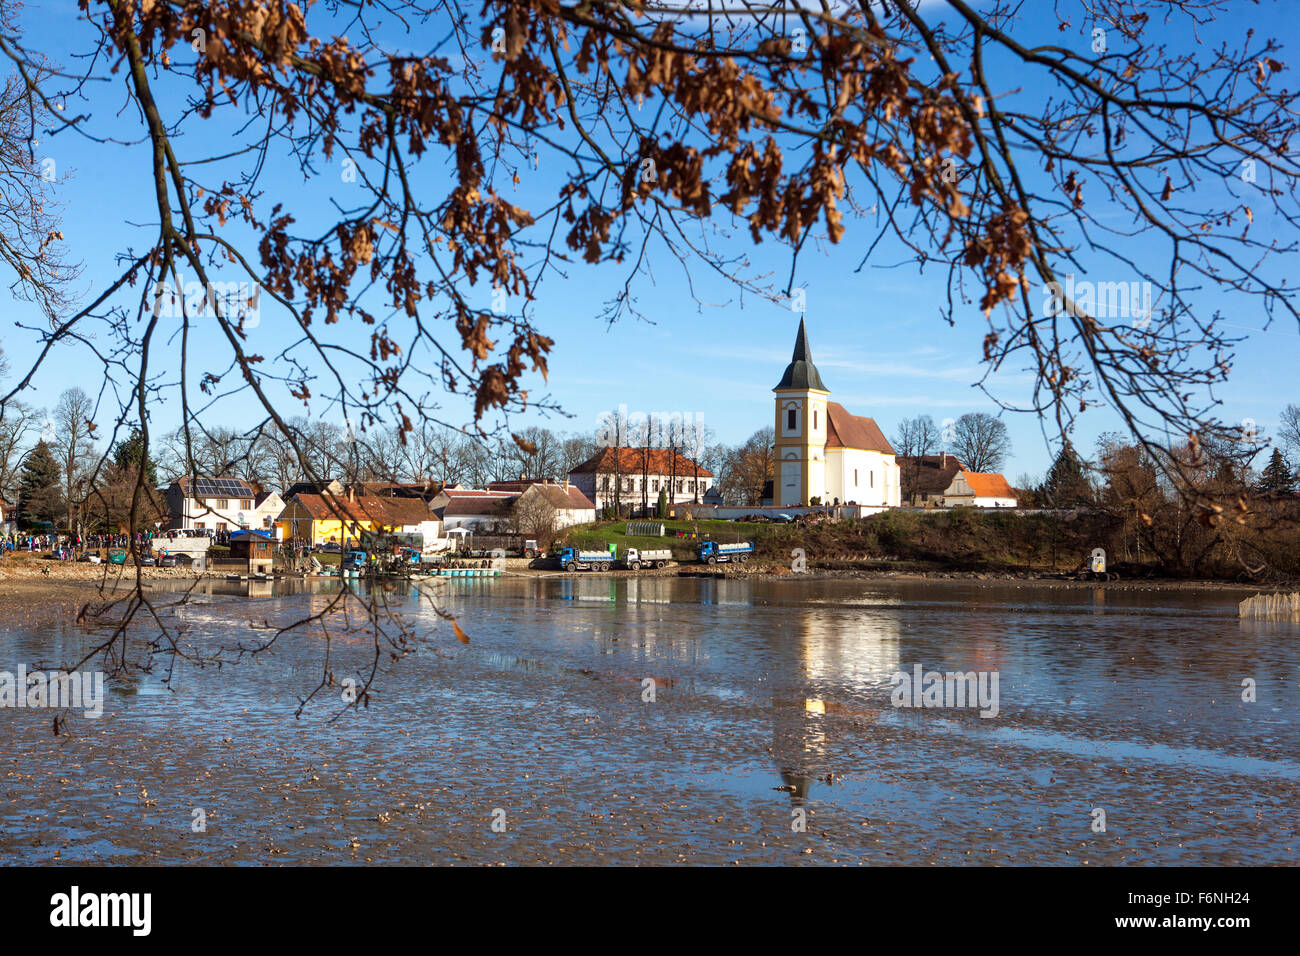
<point x="791" y="419"/>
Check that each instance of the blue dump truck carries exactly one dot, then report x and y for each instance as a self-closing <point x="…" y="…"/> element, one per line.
<point x="571" y="559"/>
<point x="710" y="552"/>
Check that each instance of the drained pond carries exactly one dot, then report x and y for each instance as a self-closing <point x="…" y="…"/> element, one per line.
<point x="662" y="720"/>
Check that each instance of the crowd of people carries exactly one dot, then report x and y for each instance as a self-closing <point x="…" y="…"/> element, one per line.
<point x="65" y="546"/>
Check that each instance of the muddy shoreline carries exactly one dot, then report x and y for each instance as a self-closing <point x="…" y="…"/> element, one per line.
<point x="979" y="578"/>
<point x="75" y="586"/>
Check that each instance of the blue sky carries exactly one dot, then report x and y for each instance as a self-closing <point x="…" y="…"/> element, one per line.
<point x="876" y="333"/>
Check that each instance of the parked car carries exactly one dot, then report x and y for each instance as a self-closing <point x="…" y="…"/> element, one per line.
<point x="169" y="561"/>
<point x="148" y="560"/>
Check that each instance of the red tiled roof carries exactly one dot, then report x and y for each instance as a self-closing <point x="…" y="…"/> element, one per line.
<point x="634" y="461"/>
<point x="853" y="431"/>
<point x="454" y="493"/>
<point x="516" y="484"/>
<point x="407" y="510"/>
<point x="988" y="484"/>
<point x="929" y="473"/>
<point x="478" y="505"/>
<point x="384" y="511"/>
<point x="565" y="499"/>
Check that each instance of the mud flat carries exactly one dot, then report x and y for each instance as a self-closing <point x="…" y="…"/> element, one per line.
<point x="770" y="697"/>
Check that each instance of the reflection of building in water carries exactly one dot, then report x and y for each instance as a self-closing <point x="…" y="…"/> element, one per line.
<point x="650" y="590"/>
<point x="831" y="664"/>
<point x="848" y="653"/>
<point x="721" y="591"/>
<point x="600" y="589"/>
<point x="261" y="588"/>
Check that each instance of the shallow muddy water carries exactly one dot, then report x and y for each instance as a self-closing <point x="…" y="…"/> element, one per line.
<point x="772" y="707"/>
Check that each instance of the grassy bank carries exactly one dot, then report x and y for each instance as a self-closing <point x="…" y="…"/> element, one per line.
<point x="980" y="540"/>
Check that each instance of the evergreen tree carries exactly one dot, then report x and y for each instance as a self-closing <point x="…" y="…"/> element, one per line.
<point x="1278" y="475"/>
<point x="130" y="452"/>
<point x="40" y="497"/>
<point x="1066" y="484"/>
<point x="663" y="502"/>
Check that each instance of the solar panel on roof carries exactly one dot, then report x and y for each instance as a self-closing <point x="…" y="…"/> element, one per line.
<point x="225" y="487"/>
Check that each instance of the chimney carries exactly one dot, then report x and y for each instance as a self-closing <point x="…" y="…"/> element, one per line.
<point x="566" y="483"/>
<point x="943" y="460"/>
<point x="352" y="493"/>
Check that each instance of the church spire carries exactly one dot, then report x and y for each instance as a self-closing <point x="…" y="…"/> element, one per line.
<point x="801" y="372"/>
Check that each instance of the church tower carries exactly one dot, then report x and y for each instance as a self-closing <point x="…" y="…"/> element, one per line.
<point x="800" y="430"/>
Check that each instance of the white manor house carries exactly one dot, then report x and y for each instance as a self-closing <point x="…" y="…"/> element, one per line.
<point x="824" y="455"/>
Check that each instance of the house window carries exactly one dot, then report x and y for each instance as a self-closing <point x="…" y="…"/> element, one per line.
<point x="247" y="504"/>
<point x="223" y="504"/>
<point x="221" y="526"/>
<point x="604" y="482"/>
<point x="199" y="525"/>
<point x="791" y="419"/>
<point x="654" y="485"/>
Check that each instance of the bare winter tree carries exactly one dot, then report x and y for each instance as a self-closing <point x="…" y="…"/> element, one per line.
<point x="1015" y="147"/>
<point x="981" y="441"/>
<point x="18" y="425"/>
<point x="73" y="446"/>
<point x="915" y="437"/>
<point x="1288" y="432"/>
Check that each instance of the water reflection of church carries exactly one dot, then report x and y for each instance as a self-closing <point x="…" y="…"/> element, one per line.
<point x="829" y="663"/>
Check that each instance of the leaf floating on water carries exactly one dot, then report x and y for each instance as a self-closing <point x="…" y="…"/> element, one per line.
<point x="460" y="633"/>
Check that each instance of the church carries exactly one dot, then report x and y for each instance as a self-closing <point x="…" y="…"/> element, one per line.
<point x="824" y="455"/>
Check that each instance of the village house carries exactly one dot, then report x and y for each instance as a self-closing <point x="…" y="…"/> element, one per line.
<point x="268" y="504"/>
<point x="926" y="477"/>
<point x="475" y="510"/>
<point x="824" y="455"/>
<point x="411" y="516"/>
<point x="219" y="505"/>
<point x="549" y="506"/>
<point x="316" y="520"/>
<point x="980" y="490"/>
<point x="942" y="481"/>
<point x="633" y="478"/>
